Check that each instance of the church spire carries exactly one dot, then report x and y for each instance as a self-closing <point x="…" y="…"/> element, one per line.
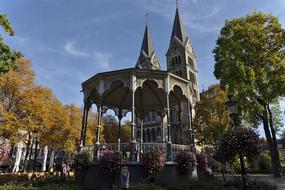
<point x="147" y="58"/>
<point x="147" y="45"/>
<point x="178" y="28"/>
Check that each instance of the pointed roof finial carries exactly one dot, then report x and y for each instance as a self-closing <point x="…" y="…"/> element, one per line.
<point x="178" y="29"/>
<point x="146" y="18"/>
<point x="177" y="3"/>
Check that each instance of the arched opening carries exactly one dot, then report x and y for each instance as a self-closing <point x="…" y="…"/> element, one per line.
<point x="153" y="134"/>
<point x="148" y="135"/>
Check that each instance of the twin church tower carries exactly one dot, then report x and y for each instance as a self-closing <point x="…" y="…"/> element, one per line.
<point x="180" y="56"/>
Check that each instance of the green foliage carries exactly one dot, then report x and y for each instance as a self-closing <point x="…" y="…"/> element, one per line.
<point x="8" y="57"/>
<point x="211" y="117"/>
<point x="250" y="57"/>
<point x="260" y="165"/>
<point x="250" y="64"/>
<point x="277" y="117"/>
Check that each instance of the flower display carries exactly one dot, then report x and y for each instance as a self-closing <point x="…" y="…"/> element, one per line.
<point x="202" y="162"/>
<point x="80" y="162"/>
<point x="110" y="162"/>
<point x="242" y="141"/>
<point x="5" y="149"/>
<point x="153" y="161"/>
<point x="186" y="162"/>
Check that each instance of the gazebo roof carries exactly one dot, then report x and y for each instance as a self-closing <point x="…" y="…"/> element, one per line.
<point x="114" y="89"/>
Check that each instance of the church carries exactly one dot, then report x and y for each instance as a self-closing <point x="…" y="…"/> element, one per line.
<point x="181" y="61"/>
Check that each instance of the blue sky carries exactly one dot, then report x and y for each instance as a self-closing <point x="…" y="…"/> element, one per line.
<point x="69" y="41"/>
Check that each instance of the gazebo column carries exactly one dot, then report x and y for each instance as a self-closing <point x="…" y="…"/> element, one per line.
<point x="120" y="116"/>
<point x="169" y="156"/>
<point x="84" y="123"/>
<point x="83" y="126"/>
<point x="180" y="124"/>
<point x="88" y="106"/>
<point x="191" y="135"/>
<point x="162" y="115"/>
<point x="133" y="135"/>
<point x="97" y="144"/>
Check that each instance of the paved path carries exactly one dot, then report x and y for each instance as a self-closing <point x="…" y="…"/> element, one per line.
<point x="280" y="182"/>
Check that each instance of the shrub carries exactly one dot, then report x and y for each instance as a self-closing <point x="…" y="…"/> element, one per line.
<point x="241" y="141"/>
<point x="153" y="161"/>
<point x="202" y="162"/>
<point x="80" y="162"/>
<point x="186" y="162"/>
<point x="110" y="162"/>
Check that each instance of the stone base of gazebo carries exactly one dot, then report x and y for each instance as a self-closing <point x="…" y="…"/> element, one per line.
<point x="95" y="180"/>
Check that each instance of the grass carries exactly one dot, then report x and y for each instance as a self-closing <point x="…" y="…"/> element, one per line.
<point x="43" y="185"/>
<point x="204" y="184"/>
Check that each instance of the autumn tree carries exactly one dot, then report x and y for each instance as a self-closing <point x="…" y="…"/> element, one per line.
<point x="8" y="57"/>
<point x="211" y="117"/>
<point x="250" y="64"/>
<point x="74" y="127"/>
<point x="15" y="89"/>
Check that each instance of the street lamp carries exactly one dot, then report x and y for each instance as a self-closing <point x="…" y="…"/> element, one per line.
<point x="233" y="109"/>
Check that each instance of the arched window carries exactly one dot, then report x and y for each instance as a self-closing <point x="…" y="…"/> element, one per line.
<point x="158" y="131"/>
<point x="179" y="59"/>
<point x="148" y="135"/>
<point x="153" y="135"/>
<point x="138" y="134"/>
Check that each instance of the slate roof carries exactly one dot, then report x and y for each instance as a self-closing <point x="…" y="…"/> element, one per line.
<point x="178" y="29"/>
<point x="147" y="45"/>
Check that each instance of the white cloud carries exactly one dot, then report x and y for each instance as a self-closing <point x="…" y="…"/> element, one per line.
<point x="70" y="48"/>
<point x="102" y="59"/>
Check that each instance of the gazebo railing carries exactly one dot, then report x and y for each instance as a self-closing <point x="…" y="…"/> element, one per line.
<point x="216" y="167"/>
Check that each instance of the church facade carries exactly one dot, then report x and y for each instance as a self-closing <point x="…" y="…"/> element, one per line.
<point x="181" y="61"/>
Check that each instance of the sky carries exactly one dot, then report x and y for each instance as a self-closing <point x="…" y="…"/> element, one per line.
<point x="69" y="41"/>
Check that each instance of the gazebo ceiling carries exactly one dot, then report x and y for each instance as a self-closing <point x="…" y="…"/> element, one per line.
<point x="115" y="89"/>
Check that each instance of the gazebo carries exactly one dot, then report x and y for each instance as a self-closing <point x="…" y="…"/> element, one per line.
<point x="146" y="88"/>
<point x="138" y="91"/>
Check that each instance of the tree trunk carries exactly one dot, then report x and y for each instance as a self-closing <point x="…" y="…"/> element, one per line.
<point x="27" y="151"/>
<point x="36" y="154"/>
<point x="274" y="142"/>
<point x="274" y="158"/>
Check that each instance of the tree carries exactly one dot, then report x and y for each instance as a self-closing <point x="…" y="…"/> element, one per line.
<point x="15" y="89"/>
<point x="8" y="57"/>
<point x="250" y="64"/>
<point x="211" y="117"/>
<point x="74" y="128"/>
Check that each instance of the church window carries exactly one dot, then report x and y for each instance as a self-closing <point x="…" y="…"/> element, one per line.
<point x="179" y="59"/>
<point x="176" y="60"/>
<point x="191" y="63"/>
<point x="172" y="61"/>
<point x="180" y="73"/>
